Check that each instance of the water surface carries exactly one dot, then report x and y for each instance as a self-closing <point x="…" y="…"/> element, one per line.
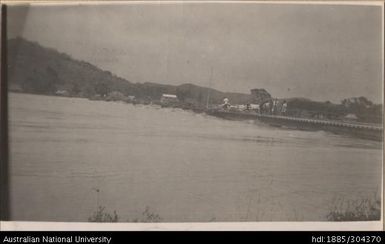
<point x="183" y="166"/>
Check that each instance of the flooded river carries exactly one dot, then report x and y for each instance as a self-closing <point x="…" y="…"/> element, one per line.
<point x="70" y="155"/>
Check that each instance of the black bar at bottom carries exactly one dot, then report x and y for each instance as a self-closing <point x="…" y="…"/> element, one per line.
<point x="193" y="237"/>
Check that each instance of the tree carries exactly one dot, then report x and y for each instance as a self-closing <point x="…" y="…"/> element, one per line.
<point x="75" y="89"/>
<point x="102" y="88"/>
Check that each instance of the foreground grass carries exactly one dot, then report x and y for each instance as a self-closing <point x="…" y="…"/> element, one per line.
<point x="363" y="209"/>
<point x="101" y="215"/>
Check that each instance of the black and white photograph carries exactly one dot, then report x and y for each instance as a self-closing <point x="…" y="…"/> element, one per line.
<point x="195" y="112"/>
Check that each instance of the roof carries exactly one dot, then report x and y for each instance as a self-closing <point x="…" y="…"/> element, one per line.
<point x="169" y="96"/>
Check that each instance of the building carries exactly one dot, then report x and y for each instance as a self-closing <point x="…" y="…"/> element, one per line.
<point x="62" y="93"/>
<point x="168" y="99"/>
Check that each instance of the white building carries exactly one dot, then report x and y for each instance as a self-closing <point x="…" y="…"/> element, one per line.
<point x="168" y="98"/>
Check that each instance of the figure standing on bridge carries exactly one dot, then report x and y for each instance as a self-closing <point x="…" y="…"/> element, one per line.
<point x="266" y="107"/>
<point x="226" y="104"/>
<point x="284" y="108"/>
<point x="274" y="107"/>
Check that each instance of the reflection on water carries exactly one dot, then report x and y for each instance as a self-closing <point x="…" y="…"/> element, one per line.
<point x="183" y="166"/>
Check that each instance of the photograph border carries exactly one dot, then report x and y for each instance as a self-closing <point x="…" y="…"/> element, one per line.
<point x="191" y="226"/>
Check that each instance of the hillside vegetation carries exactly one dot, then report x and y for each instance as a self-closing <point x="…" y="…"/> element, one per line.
<point x="39" y="70"/>
<point x="36" y="69"/>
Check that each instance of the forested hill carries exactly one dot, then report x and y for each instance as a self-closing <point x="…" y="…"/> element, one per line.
<point x="40" y="70"/>
<point x="36" y="69"/>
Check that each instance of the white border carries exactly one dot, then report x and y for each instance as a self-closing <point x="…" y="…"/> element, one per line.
<point x="93" y="2"/>
<point x="222" y="226"/>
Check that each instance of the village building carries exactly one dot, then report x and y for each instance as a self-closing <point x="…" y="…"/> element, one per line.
<point x="168" y="99"/>
<point x="62" y="93"/>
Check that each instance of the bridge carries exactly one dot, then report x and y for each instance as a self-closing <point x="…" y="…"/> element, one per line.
<point x="362" y="130"/>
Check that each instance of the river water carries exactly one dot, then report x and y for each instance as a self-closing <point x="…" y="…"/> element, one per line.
<point x="70" y="155"/>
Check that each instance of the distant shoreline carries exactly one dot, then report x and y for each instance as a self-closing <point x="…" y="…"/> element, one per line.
<point x="359" y="132"/>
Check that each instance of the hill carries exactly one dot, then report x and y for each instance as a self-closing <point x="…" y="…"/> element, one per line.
<point x="40" y="70"/>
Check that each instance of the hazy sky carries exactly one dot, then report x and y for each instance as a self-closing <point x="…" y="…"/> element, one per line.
<point x="323" y="52"/>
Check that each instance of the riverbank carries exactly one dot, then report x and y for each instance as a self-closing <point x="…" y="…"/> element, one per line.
<point x="360" y="130"/>
<point x="367" y="131"/>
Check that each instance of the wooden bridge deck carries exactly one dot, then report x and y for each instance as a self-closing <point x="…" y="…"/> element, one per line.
<point x="324" y="122"/>
<point x="289" y="119"/>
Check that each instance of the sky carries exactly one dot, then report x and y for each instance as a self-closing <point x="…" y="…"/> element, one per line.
<point x="321" y="52"/>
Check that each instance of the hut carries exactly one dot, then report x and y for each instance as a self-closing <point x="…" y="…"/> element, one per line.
<point x="168" y="99"/>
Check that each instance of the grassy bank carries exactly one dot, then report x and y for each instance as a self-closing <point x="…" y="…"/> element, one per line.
<point x="361" y="209"/>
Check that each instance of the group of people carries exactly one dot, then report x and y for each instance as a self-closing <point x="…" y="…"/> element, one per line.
<point x="273" y="107"/>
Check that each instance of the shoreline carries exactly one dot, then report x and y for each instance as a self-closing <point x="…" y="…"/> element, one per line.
<point x="368" y="131"/>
